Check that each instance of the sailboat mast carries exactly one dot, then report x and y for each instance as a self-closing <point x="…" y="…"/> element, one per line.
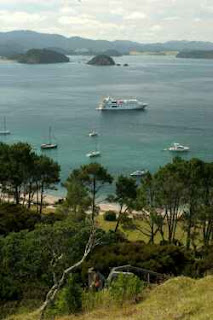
<point x="50" y="139"/>
<point x="4" y="124"/>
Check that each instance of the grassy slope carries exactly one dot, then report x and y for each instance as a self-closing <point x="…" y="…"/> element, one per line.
<point x="135" y="235"/>
<point x="177" y="299"/>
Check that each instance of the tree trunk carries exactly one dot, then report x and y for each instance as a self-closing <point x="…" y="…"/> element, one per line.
<point x="42" y="198"/>
<point x="93" y="199"/>
<point x="118" y="220"/>
<point x="50" y="297"/>
<point x="16" y="195"/>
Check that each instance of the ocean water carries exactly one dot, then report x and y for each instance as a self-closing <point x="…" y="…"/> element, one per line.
<point x="179" y="93"/>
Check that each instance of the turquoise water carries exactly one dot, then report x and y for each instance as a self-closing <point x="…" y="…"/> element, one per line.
<point x="179" y="93"/>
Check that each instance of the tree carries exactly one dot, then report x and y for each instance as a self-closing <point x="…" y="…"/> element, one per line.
<point x="93" y="176"/>
<point x="146" y="204"/>
<point x="125" y="195"/>
<point x="192" y="176"/>
<point x="60" y="282"/>
<point x="16" y="162"/>
<point x="77" y="199"/>
<point x="46" y="176"/>
<point x="170" y="195"/>
<point x="23" y="172"/>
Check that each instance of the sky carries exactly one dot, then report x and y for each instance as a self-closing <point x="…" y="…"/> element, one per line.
<point x="136" y="20"/>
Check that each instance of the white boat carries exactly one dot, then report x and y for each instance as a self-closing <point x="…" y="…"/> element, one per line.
<point x="4" y="131"/>
<point x="93" y="154"/>
<point x="93" y="134"/>
<point x="121" y="104"/>
<point x="49" y="145"/>
<point x="177" y="147"/>
<point x="138" y="173"/>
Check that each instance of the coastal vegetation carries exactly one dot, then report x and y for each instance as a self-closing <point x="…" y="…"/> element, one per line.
<point x="45" y="256"/>
<point x="41" y="56"/>
<point x="196" y="54"/>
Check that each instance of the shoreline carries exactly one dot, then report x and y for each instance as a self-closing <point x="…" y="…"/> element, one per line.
<point x="50" y="201"/>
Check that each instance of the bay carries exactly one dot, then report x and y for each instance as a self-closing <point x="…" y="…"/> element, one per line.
<point x="65" y="96"/>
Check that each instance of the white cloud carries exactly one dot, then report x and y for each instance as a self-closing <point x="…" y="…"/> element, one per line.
<point x="19" y="18"/>
<point x="172" y="18"/>
<point x="138" y="20"/>
<point x="156" y="27"/>
<point x="135" y="16"/>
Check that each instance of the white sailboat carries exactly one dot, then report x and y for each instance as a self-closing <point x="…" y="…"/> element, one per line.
<point x="49" y="145"/>
<point x="95" y="153"/>
<point x="4" y="131"/>
<point x="93" y="133"/>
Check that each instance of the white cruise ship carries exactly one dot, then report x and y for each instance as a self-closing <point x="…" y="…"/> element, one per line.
<point x="121" y="104"/>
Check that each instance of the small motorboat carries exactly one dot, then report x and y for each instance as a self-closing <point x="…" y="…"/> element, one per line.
<point x="93" y="134"/>
<point x="93" y="154"/>
<point x="177" y="147"/>
<point x="138" y="173"/>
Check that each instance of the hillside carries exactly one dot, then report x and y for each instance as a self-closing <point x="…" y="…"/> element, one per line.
<point x="36" y="56"/>
<point x="196" y="54"/>
<point x="20" y="41"/>
<point x="177" y="299"/>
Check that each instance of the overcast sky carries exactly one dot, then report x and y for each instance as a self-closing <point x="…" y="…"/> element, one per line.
<point x="137" y="20"/>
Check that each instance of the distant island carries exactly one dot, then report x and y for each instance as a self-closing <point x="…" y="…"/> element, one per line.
<point x="101" y="60"/>
<point x="196" y="54"/>
<point x="41" y="56"/>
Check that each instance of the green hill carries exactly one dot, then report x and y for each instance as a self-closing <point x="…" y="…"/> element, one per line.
<point x="102" y="60"/>
<point x="177" y="299"/>
<point x="41" y="56"/>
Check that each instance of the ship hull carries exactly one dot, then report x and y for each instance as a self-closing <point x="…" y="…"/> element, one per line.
<point x="123" y="108"/>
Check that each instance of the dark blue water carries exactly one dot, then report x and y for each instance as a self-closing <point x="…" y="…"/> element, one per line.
<point x="179" y="93"/>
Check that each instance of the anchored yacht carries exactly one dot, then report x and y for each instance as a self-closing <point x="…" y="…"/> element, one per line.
<point x="121" y="104"/>
<point x="177" y="147"/>
<point x="93" y="154"/>
<point x="139" y="173"/>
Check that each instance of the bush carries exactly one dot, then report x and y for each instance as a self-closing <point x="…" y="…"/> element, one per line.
<point x="9" y="289"/>
<point x="70" y="298"/>
<point x="126" y="287"/>
<point x="14" y="218"/>
<point x="110" y="216"/>
<point x="163" y="259"/>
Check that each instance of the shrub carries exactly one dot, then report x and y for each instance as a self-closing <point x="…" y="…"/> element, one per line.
<point x="14" y="218"/>
<point x="126" y="287"/>
<point x="70" y="298"/>
<point x="163" y="259"/>
<point x="110" y="215"/>
<point x="9" y="289"/>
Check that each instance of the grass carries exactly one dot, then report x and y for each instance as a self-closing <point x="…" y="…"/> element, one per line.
<point x="177" y="299"/>
<point x="135" y="235"/>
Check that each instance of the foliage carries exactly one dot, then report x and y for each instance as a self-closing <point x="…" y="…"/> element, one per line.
<point x="24" y="174"/>
<point x="92" y="176"/>
<point x="168" y="259"/>
<point x="15" y="218"/>
<point x="125" y="287"/>
<point x="35" y="56"/>
<point x="69" y="299"/>
<point x="110" y="215"/>
<point x="125" y="195"/>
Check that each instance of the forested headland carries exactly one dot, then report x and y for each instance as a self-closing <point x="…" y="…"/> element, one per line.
<point x="164" y="224"/>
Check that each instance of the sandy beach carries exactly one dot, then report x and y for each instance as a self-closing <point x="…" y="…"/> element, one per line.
<point x="51" y="200"/>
